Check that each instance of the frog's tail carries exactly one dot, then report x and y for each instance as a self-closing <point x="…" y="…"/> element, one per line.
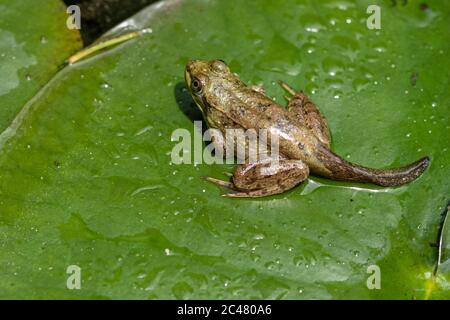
<point x="346" y="171"/>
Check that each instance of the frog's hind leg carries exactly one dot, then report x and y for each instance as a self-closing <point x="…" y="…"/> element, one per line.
<point x="307" y="113"/>
<point x="267" y="178"/>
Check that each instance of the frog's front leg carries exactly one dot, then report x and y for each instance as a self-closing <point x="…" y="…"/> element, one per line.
<point x="307" y="113"/>
<point x="264" y="178"/>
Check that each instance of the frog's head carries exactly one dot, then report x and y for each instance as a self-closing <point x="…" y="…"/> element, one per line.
<point x="208" y="81"/>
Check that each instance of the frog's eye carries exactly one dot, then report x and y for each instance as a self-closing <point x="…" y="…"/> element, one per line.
<point x="196" y="85"/>
<point x="220" y="66"/>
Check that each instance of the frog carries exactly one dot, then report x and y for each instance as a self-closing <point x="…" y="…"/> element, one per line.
<point x="304" y="138"/>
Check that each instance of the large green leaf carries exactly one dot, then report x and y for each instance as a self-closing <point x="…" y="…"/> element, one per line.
<point x="86" y="179"/>
<point x="34" y="41"/>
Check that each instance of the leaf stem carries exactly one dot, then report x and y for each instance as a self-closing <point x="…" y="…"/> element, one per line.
<point x="102" y="45"/>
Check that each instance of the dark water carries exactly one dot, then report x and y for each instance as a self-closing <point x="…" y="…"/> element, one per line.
<point x="98" y="16"/>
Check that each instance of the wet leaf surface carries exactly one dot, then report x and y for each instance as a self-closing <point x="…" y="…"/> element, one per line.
<point x="34" y="42"/>
<point x="87" y="180"/>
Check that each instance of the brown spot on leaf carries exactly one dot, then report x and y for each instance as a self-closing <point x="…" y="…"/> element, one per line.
<point x="414" y="77"/>
<point x="424" y="7"/>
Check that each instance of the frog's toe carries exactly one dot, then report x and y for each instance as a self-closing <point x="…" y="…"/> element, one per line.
<point x="221" y="183"/>
<point x="252" y="194"/>
<point x="286" y="87"/>
<point x="237" y="195"/>
<point x="258" y="88"/>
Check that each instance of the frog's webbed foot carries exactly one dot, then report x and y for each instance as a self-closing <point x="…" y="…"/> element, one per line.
<point x="264" y="178"/>
<point x="307" y="114"/>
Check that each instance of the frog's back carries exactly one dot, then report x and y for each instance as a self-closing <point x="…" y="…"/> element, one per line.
<point x="256" y="111"/>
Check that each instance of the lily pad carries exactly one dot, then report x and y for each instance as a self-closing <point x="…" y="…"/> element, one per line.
<point x="34" y="41"/>
<point x="87" y="179"/>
